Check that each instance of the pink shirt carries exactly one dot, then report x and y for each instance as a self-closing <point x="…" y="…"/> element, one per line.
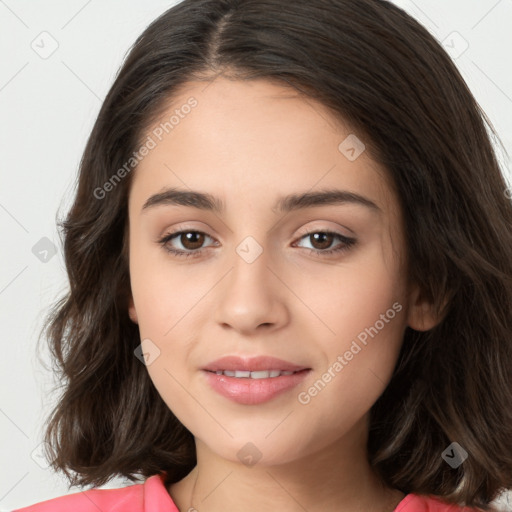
<point x="152" y="496"/>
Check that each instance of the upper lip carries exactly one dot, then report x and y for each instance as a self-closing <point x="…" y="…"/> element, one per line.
<point x="252" y="364"/>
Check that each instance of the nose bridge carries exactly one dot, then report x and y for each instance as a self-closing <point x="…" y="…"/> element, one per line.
<point x="250" y="296"/>
<point x="251" y="268"/>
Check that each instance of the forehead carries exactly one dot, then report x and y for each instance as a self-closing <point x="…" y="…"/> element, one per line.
<point x="253" y="141"/>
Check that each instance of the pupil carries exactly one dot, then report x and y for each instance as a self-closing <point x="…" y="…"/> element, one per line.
<point x="321" y="235"/>
<point x="190" y="239"/>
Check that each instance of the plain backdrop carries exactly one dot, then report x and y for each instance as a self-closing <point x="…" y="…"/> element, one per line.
<point x="48" y="104"/>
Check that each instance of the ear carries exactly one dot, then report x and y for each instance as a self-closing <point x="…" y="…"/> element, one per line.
<point x="421" y="315"/>
<point x="131" y="311"/>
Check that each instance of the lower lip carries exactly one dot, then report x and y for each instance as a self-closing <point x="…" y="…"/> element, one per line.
<point x="253" y="391"/>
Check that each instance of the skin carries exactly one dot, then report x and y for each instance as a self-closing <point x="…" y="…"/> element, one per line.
<point x="249" y="143"/>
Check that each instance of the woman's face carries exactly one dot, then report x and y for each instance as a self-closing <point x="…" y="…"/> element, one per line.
<point x="260" y="280"/>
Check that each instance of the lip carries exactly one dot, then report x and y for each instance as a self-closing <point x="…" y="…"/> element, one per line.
<point x="253" y="364"/>
<point x="249" y="391"/>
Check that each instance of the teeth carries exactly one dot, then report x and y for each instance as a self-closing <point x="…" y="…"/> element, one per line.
<point x="262" y="374"/>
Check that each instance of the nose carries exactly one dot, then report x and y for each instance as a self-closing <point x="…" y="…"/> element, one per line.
<point x="251" y="296"/>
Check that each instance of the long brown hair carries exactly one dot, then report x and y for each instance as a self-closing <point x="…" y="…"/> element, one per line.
<point x="381" y="72"/>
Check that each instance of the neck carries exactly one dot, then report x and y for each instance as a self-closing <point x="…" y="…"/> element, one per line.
<point x="337" y="478"/>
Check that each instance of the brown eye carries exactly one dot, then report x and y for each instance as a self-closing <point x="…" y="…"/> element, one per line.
<point x="191" y="240"/>
<point x="322" y="240"/>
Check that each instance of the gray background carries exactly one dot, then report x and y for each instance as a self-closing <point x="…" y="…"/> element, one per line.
<point x="48" y="104"/>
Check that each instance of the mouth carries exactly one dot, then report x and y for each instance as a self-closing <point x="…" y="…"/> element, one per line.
<point x="253" y="380"/>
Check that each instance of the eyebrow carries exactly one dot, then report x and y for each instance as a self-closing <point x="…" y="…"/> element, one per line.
<point x="208" y="202"/>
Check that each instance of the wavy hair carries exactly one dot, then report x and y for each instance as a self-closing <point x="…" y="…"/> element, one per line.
<point x="384" y="74"/>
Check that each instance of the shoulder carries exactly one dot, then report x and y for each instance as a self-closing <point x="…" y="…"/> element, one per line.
<point x="420" y="503"/>
<point x="150" y="495"/>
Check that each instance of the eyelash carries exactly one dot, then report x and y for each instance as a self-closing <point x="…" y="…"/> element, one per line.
<point x="345" y="246"/>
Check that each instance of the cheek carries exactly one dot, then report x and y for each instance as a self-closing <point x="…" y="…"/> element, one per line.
<point x="162" y="292"/>
<point x="168" y="302"/>
<point x="165" y="305"/>
<point x="359" y="364"/>
<point x="362" y="306"/>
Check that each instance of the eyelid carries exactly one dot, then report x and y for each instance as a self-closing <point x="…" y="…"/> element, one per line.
<point x="302" y="231"/>
<point x="323" y="228"/>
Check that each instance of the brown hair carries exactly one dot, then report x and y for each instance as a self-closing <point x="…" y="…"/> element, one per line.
<point x="380" y="71"/>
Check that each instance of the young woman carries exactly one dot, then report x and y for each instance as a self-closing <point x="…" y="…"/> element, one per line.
<point x="290" y="266"/>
